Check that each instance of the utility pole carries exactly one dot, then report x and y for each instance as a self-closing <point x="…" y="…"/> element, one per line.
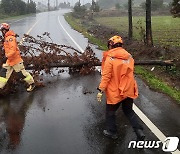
<point x="48" y="6"/>
<point x="56" y="4"/>
<point x="130" y="32"/>
<point x="149" y="39"/>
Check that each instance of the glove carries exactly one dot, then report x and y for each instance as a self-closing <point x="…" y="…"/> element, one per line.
<point x="99" y="97"/>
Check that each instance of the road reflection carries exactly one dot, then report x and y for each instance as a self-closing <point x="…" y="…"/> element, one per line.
<point x="12" y="118"/>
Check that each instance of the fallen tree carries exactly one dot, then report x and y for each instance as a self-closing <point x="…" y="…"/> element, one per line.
<point x="39" y="56"/>
<point x="80" y="64"/>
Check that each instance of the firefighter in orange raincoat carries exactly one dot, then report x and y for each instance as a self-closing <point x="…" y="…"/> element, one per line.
<point x="14" y="61"/>
<point x="120" y="87"/>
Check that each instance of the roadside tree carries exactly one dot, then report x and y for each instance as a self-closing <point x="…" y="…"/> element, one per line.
<point x="17" y="7"/>
<point x="155" y="5"/>
<point x="94" y="7"/>
<point x="130" y="31"/>
<point x="149" y="39"/>
<point x="78" y="8"/>
<point x="175" y="8"/>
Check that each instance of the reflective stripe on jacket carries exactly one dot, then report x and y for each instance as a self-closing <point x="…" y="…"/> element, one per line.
<point x="118" y="76"/>
<point x="11" y="49"/>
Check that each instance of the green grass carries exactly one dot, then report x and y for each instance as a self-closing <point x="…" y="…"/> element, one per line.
<point x="166" y="30"/>
<point x="153" y="81"/>
<point x="4" y="18"/>
<point x="157" y="84"/>
<point x="76" y="24"/>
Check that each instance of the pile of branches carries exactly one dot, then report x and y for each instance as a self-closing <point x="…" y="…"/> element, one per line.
<point x="41" y="56"/>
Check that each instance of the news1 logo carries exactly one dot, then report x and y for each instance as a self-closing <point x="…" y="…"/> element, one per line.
<point x="170" y="144"/>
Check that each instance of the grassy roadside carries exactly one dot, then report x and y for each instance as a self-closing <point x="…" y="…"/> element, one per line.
<point x="8" y="18"/>
<point x="166" y="29"/>
<point x="157" y="84"/>
<point x="153" y="81"/>
<point x="77" y="25"/>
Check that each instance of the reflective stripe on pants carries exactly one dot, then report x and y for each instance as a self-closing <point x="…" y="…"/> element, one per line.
<point x="3" y="82"/>
<point x="18" y="68"/>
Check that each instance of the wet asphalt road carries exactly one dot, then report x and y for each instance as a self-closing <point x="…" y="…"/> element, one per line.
<point x="61" y="119"/>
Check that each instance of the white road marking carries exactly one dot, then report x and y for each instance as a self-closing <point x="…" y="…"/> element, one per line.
<point x="151" y="126"/>
<point x="16" y="21"/>
<point x="70" y="36"/>
<point x="141" y="115"/>
<point x="22" y="40"/>
<point x="32" y="27"/>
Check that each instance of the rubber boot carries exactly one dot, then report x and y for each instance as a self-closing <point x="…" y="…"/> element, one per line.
<point x="110" y="134"/>
<point x="31" y="87"/>
<point x="3" y="72"/>
<point x="140" y="134"/>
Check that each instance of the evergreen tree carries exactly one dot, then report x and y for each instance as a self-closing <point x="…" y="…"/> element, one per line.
<point x="94" y="7"/>
<point x="31" y="7"/>
<point x="78" y="8"/>
<point x="6" y="5"/>
<point x="175" y="10"/>
<point x="17" y="7"/>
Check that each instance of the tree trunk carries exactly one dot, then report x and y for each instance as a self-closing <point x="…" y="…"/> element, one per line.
<point x="149" y="39"/>
<point x="48" y="6"/>
<point x="130" y="33"/>
<point x="56" y="4"/>
<point x="137" y="62"/>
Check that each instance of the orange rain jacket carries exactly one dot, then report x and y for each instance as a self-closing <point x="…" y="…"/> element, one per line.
<point x="118" y="76"/>
<point x="11" y="49"/>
